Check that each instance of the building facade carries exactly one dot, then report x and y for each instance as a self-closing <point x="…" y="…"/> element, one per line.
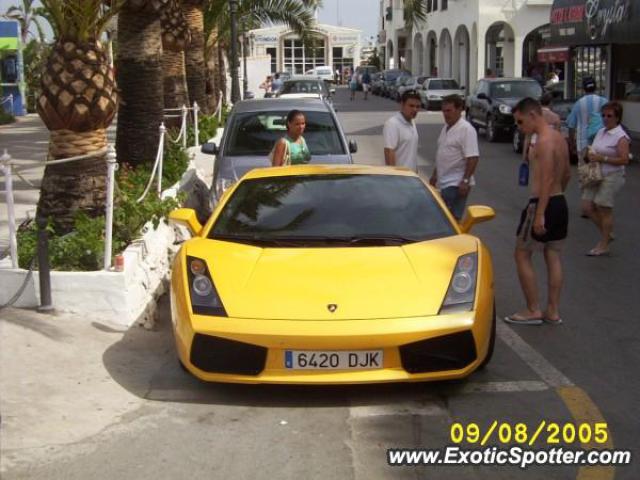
<point x="461" y="39"/>
<point x="338" y="47"/>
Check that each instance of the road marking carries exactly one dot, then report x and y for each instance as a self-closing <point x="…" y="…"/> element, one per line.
<point x="550" y="374"/>
<point x="504" y="387"/>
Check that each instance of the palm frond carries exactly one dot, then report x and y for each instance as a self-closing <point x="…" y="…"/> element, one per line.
<point x="79" y="20"/>
<point x="414" y="13"/>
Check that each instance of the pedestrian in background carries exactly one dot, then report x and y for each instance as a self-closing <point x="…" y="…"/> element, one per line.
<point x="353" y="85"/>
<point x="366" y="81"/>
<point x="292" y="149"/>
<point x="545" y="219"/>
<point x="456" y="158"/>
<point x="266" y="86"/>
<point x="610" y="148"/>
<point x="401" y="135"/>
<point x="585" y="121"/>
<point x="276" y="84"/>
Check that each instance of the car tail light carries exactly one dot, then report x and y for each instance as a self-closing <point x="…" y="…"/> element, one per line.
<point x="462" y="287"/>
<point x="202" y="291"/>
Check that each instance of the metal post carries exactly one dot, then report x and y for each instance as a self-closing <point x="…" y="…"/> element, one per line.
<point x="161" y="156"/>
<point x="235" y="81"/>
<point x="196" y="132"/>
<point x="111" y="169"/>
<point x="245" y="81"/>
<point x="5" y="168"/>
<point x="220" y="108"/>
<point x="11" y="103"/>
<point x="183" y="127"/>
<point x="44" y="272"/>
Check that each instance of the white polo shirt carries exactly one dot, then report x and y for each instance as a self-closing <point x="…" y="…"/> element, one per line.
<point x="401" y="136"/>
<point x="455" y="145"/>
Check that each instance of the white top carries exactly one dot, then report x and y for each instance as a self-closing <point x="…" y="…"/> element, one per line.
<point x="606" y="143"/>
<point x="401" y="136"/>
<point x="455" y="145"/>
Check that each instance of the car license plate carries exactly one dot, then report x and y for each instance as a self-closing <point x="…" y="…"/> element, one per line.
<point x="333" y="360"/>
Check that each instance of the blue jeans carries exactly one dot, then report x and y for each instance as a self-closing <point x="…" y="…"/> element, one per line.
<point x="455" y="202"/>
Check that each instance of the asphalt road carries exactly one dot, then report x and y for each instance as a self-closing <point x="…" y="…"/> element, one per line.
<point x="584" y="371"/>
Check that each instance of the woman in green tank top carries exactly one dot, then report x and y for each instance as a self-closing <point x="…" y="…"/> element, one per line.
<point x="292" y="149"/>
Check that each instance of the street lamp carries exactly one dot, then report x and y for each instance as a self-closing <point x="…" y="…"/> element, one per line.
<point x="245" y="81"/>
<point x="235" y="81"/>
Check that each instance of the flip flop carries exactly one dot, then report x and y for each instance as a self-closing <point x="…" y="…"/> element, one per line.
<point x="594" y="252"/>
<point x="552" y="321"/>
<point x="516" y="319"/>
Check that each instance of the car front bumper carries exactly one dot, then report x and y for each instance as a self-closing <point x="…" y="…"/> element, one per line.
<point x="235" y="350"/>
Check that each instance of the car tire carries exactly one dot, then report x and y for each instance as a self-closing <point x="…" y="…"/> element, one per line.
<point x="490" y="130"/>
<point x="492" y="341"/>
<point x="516" y="142"/>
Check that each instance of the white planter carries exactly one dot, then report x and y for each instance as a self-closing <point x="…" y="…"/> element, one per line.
<point x="120" y="298"/>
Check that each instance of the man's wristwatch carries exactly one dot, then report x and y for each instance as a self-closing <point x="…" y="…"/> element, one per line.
<point x="606" y="159"/>
<point x="465" y="181"/>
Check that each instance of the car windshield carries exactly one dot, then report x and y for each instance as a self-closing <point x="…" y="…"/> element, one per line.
<point x="255" y="133"/>
<point x="328" y="209"/>
<point x="443" y="85"/>
<point x="304" y="86"/>
<point x="515" y="89"/>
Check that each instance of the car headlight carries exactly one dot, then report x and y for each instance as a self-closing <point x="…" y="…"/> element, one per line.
<point x="204" y="296"/>
<point x="504" y="109"/>
<point x="221" y="185"/>
<point x="462" y="287"/>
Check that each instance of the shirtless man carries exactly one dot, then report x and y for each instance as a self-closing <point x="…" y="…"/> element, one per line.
<point x="543" y="223"/>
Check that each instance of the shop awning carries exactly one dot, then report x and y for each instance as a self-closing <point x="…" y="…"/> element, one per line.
<point x="553" y="55"/>
<point x="585" y="22"/>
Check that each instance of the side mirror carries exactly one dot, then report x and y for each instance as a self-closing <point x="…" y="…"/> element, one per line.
<point x="462" y="87"/>
<point x="188" y="218"/>
<point x="482" y="96"/>
<point x="353" y="146"/>
<point x="209" y="148"/>
<point x="249" y="95"/>
<point x="476" y="214"/>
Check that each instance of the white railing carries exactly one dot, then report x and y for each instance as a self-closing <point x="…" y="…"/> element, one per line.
<point x="157" y="166"/>
<point x="7" y="168"/>
<point x="9" y="99"/>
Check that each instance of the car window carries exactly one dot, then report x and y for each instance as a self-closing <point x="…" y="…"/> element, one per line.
<point x="304" y="86"/>
<point x="515" y="89"/>
<point x="333" y="207"/>
<point x="421" y="80"/>
<point x="443" y="85"/>
<point x="255" y="133"/>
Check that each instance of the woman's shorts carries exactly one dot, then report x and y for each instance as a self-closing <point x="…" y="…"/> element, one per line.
<point x="353" y="86"/>
<point x="604" y="193"/>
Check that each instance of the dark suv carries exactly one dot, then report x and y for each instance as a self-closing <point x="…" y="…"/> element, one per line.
<point x="490" y="104"/>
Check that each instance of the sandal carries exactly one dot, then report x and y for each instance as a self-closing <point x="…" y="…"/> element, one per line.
<point x="517" y="319"/>
<point x="596" y="252"/>
<point x="553" y="321"/>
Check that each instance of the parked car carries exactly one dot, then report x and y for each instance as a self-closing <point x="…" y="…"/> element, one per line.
<point x="389" y="80"/>
<point x="394" y="87"/>
<point x="411" y="83"/>
<point x="325" y="274"/>
<point x="434" y="89"/>
<point x="325" y="73"/>
<point x="305" y="86"/>
<point x="490" y="104"/>
<point x="254" y="126"/>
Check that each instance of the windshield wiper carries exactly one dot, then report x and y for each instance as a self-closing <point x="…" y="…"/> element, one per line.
<point x="382" y="239"/>
<point x="256" y="240"/>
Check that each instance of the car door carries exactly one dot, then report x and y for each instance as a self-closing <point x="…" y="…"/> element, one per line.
<point x="481" y="106"/>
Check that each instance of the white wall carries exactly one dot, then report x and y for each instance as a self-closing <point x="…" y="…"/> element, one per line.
<point x="258" y="68"/>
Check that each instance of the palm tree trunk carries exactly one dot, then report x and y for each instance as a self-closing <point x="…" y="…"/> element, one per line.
<point x="174" y="83"/>
<point x="139" y="75"/>
<point x="194" y="55"/>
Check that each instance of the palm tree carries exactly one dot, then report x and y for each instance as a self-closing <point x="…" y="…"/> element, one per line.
<point x="175" y="37"/>
<point x="26" y="15"/>
<point x="77" y="103"/>
<point x="139" y="75"/>
<point x="194" y="55"/>
<point x="414" y="13"/>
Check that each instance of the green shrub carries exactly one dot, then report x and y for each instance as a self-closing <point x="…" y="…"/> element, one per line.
<point x="6" y="117"/>
<point x="83" y="248"/>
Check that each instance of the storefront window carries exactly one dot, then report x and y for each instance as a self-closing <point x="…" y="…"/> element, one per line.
<point x="298" y="59"/>
<point x="627" y="73"/>
<point x="591" y="61"/>
<point x="274" y="59"/>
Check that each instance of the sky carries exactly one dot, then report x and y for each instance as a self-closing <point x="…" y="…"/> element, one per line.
<point x="360" y="14"/>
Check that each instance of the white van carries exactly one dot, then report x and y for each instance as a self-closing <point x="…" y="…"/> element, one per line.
<point x="324" y="72"/>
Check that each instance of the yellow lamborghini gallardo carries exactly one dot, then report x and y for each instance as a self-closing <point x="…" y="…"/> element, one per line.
<point x="332" y="274"/>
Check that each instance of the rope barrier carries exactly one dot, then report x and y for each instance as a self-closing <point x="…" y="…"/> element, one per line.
<point x="158" y="161"/>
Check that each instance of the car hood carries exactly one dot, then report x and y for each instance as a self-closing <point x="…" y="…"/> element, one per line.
<point x="444" y="93"/>
<point x="363" y="282"/>
<point x="511" y="101"/>
<point x="235" y="167"/>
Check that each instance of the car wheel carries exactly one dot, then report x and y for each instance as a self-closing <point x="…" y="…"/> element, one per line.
<point x="517" y="141"/>
<point x="490" y="130"/>
<point x="492" y="341"/>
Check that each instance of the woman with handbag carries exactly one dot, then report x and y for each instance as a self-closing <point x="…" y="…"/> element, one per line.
<point x="604" y="174"/>
<point x="292" y="149"/>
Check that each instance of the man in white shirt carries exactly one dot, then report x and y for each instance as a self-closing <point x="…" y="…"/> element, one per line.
<point x="456" y="158"/>
<point x="400" y="134"/>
